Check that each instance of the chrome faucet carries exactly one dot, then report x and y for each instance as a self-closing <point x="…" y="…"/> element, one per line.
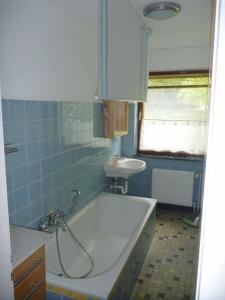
<point x="118" y="157"/>
<point x="55" y="218"/>
<point x="52" y="219"/>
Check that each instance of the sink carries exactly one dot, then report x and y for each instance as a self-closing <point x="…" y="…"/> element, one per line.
<point x="124" y="167"/>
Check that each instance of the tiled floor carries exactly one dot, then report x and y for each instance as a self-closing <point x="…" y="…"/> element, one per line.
<point x="169" y="272"/>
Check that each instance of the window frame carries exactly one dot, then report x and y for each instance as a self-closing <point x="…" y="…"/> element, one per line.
<point x="166" y="154"/>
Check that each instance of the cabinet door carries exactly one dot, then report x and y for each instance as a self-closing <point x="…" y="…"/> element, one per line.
<point x="39" y="294"/>
<point x="32" y="283"/>
<point x="49" y="49"/>
<point x="124" y="51"/>
<point x="144" y="76"/>
<point x="115" y="118"/>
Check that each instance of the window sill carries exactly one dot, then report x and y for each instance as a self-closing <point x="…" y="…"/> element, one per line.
<point x="172" y="157"/>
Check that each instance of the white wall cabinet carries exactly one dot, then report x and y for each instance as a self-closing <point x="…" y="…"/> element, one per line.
<point x="49" y="49"/>
<point x="123" y="72"/>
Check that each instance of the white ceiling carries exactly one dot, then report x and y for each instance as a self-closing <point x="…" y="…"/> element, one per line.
<point x="191" y="28"/>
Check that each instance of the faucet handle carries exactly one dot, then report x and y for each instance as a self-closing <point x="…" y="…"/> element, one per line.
<point x="51" y="218"/>
<point x="116" y="157"/>
<point x="44" y="224"/>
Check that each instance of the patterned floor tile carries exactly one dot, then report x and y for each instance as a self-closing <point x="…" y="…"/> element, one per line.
<point x="170" y="269"/>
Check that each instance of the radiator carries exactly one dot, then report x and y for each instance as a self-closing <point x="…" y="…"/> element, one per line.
<point x="172" y="186"/>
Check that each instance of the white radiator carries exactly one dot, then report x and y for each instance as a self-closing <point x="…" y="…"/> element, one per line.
<point x="172" y="186"/>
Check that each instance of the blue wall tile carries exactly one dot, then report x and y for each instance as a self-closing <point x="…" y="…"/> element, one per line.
<point x="35" y="191"/>
<point x="9" y="178"/>
<point x="12" y="218"/>
<point x="56" y="180"/>
<point x="15" y="133"/>
<point x="45" y="148"/>
<point x="16" y="110"/>
<point x="20" y="176"/>
<point x="34" y="171"/>
<point x="47" y="203"/>
<point x="31" y="110"/>
<point x="54" y="127"/>
<point x="21" y="197"/>
<point x="19" y="158"/>
<point x="5" y="110"/>
<point x="54" y="110"/>
<point x="129" y="141"/>
<point x="56" y="163"/>
<point x="11" y="202"/>
<point x="22" y="216"/>
<point x="35" y="210"/>
<point x="33" y="151"/>
<point x="58" y="150"/>
<point x="53" y="296"/>
<point x="32" y="130"/>
<point x="43" y="110"/>
<point x="46" y="185"/>
<point x="44" y="129"/>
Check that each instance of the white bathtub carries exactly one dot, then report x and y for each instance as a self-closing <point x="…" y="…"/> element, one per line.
<point x="108" y="228"/>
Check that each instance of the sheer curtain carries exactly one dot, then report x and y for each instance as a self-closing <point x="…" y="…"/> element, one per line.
<point x="174" y="120"/>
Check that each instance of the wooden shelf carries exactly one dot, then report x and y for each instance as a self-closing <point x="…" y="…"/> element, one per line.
<point x="115" y="118"/>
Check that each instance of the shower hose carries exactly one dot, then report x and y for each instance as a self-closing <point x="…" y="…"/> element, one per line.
<point x="62" y="216"/>
<point x="88" y="274"/>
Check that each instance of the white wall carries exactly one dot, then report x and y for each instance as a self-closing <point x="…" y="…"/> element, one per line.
<point x="183" y="58"/>
<point x="49" y="49"/>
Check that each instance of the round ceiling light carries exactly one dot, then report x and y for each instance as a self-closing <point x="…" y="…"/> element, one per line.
<point x="162" y="10"/>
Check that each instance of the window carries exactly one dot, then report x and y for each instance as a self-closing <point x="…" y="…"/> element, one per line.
<point x="173" y="120"/>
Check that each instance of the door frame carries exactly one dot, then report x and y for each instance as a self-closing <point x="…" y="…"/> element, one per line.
<point x="6" y="284"/>
<point x="211" y="268"/>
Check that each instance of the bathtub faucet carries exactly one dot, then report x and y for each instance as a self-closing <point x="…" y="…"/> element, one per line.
<point x="52" y="219"/>
<point x="55" y="218"/>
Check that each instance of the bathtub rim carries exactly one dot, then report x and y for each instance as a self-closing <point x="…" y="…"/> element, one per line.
<point x="97" y="287"/>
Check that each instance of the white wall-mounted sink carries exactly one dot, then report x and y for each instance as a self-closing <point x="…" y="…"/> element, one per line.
<point x="124" y="167"/>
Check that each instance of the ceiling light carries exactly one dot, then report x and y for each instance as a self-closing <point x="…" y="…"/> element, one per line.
<point x="162" y="10"/>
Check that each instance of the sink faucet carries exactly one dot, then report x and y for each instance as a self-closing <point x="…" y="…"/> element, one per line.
<point x="117" y="157"/>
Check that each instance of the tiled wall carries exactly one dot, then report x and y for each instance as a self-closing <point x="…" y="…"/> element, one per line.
<point x="59" y="148"/>
<point x="140" y="184"/>
<point x="129" y="141"/>
<point x="59" y="293"/>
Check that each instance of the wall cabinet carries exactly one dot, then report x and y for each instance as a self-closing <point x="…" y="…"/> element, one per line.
<point x="115" y="118"/>
<point x="123" y="71"/>
<point x="49" y="49"/>
<point x="60" y="58"/>
<point x="29" y="277"/>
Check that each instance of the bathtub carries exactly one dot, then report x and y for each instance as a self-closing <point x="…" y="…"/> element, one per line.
<point x="111" y="227"/>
